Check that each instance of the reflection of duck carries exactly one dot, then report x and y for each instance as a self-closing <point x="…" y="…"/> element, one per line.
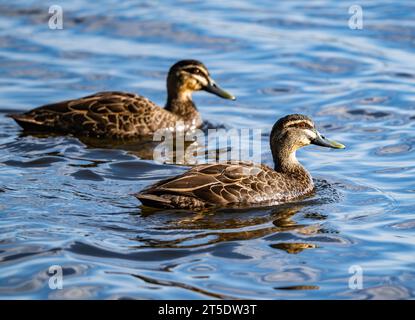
<point x="293" y="247"/>
<point x="145" y="147"/>
<point x="225" y="226"/>
<point x="126" y="115"/>
<point x="241" y="183"/>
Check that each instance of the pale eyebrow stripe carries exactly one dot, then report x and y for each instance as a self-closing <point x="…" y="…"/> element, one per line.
<point x="294" y="122"/>
<point x="201" y="78"/>
<point x="197" y="67"/>
<point x="310" y="133"/>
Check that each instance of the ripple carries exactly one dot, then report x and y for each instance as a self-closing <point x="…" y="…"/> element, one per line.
<point x="349" y="113"/>
<point x="331" y="66"/>
<point x="293" y="247"/>
<point x="375" y="100"/>
<point x="67" y="201"/>
<point x="394" y="149"/>
<point x="75" y="293"/>
<point x="86" y="175"/>
<point x="304" y="287"/>
<point x="278" y="91"/>
<point x="293" y="274"/>
<point x="36" y="163"/>
<point x="407" y="225"/>
<point x="368" y="114"/>
<point x="384" y="292"/>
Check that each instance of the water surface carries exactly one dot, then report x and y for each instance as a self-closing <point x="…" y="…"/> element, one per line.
<point x="66" y="203"/>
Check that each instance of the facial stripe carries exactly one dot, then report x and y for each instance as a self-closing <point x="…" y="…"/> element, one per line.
<point x="301" y="124"/>
<point x="311" y="134"/>
<point x="201" y="69"/>
<point x="201" y="79"/>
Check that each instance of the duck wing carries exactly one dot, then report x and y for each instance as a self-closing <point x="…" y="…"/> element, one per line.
<point x="110" y="114"/>
<point x="212" y="185"/>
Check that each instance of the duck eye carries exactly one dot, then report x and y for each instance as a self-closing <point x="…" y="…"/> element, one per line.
<point x="194" y="70"/>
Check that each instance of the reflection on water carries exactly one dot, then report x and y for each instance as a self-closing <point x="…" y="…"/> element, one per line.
<point x="69" y="202"/>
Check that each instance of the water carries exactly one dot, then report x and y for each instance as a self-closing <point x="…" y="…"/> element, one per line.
<point x="65" y="203"/>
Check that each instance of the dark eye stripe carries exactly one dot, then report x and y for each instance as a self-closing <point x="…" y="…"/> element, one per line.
<point x="195" y="70"/>
<point x="300" y="125"/>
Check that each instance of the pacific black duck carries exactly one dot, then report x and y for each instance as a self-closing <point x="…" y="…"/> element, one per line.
<point x="245" y="183"/>
<point x="123" y="115"/>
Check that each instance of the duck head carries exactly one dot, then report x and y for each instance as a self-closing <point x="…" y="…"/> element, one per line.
<point x="187" y="76"/>
<point x="293" y="132"/>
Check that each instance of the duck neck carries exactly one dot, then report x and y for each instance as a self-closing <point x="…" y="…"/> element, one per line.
<point x="181" y="104"/>
<point x="285" y="161"/>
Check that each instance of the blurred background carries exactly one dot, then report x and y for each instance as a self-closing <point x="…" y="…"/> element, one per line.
<point x="69" y="204"/>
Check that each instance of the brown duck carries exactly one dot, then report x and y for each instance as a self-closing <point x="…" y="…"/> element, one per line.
<point x="242" y="183"/>
<point x="123" y="115"/>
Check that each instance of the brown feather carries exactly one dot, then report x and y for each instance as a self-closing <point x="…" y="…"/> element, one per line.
<point x="242" y="183"/>
<point x="120" y="115"/>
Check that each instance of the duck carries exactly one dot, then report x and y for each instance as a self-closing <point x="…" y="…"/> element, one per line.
<point x="241" y="183"/>
<point x="122" y="115"/>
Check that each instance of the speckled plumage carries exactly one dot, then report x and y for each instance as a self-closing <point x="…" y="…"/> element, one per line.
<point x="242" y="183"/>
<point x="122" y="115"/>
<point x="104" y="114"/>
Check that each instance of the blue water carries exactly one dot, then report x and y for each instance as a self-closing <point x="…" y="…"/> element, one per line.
<point x="66" y="203"/>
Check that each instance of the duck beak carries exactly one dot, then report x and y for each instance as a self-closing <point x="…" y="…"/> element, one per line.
<point x="324" y="142"/>
<point x="212" y="87"/>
